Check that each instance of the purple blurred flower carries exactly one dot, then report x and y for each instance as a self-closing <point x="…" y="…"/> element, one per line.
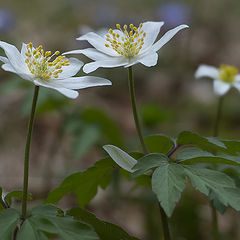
<point x="174" y="13"/>
<point x="7" y="20"/>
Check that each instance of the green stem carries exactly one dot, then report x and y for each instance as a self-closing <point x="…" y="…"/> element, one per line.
<point x="164" y="218"/>
<point x="27" y="151"/>
<point x="218" y="116"/>
<point x="215" y="231"/>
<point x="134" y="109"/>
<point x="215" y="227"/>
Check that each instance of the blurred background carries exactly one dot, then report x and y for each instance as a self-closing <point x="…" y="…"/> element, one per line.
<point x="69" y="134"/>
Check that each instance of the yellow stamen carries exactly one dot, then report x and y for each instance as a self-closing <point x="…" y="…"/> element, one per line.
<point x="227" y="73"/>
<point x="130" y="42"/>
<point x="38" y="62"/>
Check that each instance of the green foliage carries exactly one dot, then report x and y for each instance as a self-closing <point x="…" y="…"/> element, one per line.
<point x="52" y="220"/>
<point x="207" y="181"/>
<point x="122" y="158"/>
<point x="205" y="143"/>
<point x="159" y="143"/>
<point x="168" y="182"/>
<point x="105" y="230"/>
<point x="9" y="218"/>
<point x="196" y="155"/>
<point x="15" y="194"/>
<point x="84" y="184"/>
<point x="148" y="162"/>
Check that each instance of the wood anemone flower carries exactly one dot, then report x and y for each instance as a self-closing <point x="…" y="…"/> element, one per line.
<point x="224" y="77"/>
<point x="125" y="46"/>
<point x="47" y="69"/>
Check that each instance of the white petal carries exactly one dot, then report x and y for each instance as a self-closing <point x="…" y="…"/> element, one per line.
<point x="8" y="67"/>
<point x="167" y="37"/>
<point x="65" y="91"/>
<point x="150" y="60"/>
<point x="124" y="160"/>
<point x="24" y="50"/>
<point x="81" y="82"/>
<point x="4" y="59"/>
<point x="237" y="78"/>
<point x="15" y="58"/>
<point x="220" y="87"/>
<point x="110" y="63"/>
<point x="72" y="69"/>
<point x="99" y="43"/>
<point x="152" y="30"/>
<point x="91" y="53"/>
<point x="237" y="85"/>
<point x="206" y="71"/>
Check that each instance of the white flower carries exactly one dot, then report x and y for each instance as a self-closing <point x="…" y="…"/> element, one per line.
<point x="125" y="47"/>
<point x="47" y="69"/>
<point x="224" y="77"/>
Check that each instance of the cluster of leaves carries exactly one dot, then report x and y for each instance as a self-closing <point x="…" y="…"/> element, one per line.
<point x="166" y="169"/>
<point x="47" y="221"/>
<point x="172" y="162"/>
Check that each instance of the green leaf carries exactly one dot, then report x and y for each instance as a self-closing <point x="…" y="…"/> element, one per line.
<point x="159" y="143"/>
<point x="29" y="231"/>
<point x="123" y="159"/>
<point x="84" y="184"/>
<point x="9" y="218"/>
<point x="206" y="180"/>
<point x="205" y="143"/>
<point x="51" y="220"/>
<point x="1" y="203"/>
<point x="233" y="146"/>
<point x="105" y="230"/>
<point x="15" y="194"/>
<point x="196" y="155"/>
<point x="168" y="182"/>
<point x="148" y="162"/>
<point x="216" y="203"/>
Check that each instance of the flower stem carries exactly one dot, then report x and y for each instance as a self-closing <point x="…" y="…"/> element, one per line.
<point x="164" y="218"/>
<point x="218" y="116"/>
<point x="215" y="231"/>
<point x="134" y="109"/>
<point x="27" y="151"/>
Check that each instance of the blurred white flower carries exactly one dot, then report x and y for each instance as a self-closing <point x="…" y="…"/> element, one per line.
<point x="47" y="69"/>
<point x="125" y="46"/>
<point x="224" y="77"/>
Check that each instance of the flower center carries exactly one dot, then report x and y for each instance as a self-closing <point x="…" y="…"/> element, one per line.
<point x="227" y="73"/>
<point x="126" y="42"/>
<point x="39" y="64"/>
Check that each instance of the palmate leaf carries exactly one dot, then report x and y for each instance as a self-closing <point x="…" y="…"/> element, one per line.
<point x="84" y="184"/>
<point x="159" y="143"/>
<point x="206" y="143"/>
<point x="196" y="155"/>
<point x="9" y="218"/>
<point x="168" y="182"/>
<point x="51" y="220"/>
<point x="148" y="162"/>
<point x="105" y="230"/>
<point x="207" y="181"/>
